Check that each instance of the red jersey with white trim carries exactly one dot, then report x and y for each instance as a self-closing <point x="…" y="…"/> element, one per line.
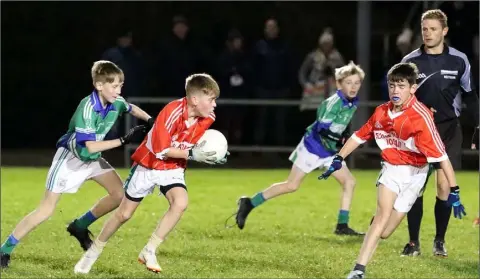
<point x="408" y="137"/>
<point x="171" y="129"/>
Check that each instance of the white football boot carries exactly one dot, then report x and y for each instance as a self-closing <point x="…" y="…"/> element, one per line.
<point x="356" y="274"/>
<point x="84" y="265"/>
<point x="148" y="258"/>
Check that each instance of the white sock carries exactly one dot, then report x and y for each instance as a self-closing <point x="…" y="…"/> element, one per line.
<point x="154" y="242"/>
<point x="97" y="246"/>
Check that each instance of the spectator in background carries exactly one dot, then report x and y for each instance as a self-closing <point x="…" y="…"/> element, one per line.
<point x="273" y="72"/>
<point x="316" y="75"/>
<point x="404" y="45"/>
<point x="176" y="59"/>
<point x="131" y="63"/>
<point x="234" y="75"/>
<point x="462" y="25"/>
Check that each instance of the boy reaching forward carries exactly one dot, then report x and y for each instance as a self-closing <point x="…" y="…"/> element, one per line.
<point x="317" y="148"/>
<point x="161" y="160"/>
<point x="78" y="157"/>
<point x="405" y="132"/>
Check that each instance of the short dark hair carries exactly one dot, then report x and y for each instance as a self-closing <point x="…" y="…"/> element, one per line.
<point x="403" y="71"/>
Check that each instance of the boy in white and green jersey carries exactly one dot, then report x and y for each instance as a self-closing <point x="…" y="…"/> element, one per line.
<point x="91" y="122"/>
<point x="78" y="157"/>
<point x="318" y="147"/>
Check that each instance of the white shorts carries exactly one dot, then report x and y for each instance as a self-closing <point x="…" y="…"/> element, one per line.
<point x="68" y="173"/>
<point x="142" y="181"/>
<point x="406" y="181"/>
<point x="307" y="161"/>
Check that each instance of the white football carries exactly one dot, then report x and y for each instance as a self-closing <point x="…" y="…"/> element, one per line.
<point x="214" y="141"/>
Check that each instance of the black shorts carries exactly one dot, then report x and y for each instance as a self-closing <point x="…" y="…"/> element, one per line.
<point x="451" y="134"/>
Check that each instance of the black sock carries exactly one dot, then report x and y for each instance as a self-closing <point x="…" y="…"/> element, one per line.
<point x="360" y="267"/>
<point x="414" y="218"/>
<point x="442" y="216"/>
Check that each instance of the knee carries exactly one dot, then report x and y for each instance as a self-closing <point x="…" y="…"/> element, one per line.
<point x="117" y="196"/>
<point x="123" y="215"/>
<point x="179" y="205"/>
<point x="443" y="191"/>
<point x="291" y="186"/>
<point x="349" y="183"/>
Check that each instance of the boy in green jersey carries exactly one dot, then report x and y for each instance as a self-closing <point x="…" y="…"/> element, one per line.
<point x="318" y="147"/>
<point x="78" y="157"/>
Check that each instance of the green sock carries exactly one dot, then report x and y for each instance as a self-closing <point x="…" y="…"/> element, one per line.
<point x="343" y="216"/>
<point x="86" y="220"/>
<point x="258" y="199"/>
<point x="9" y="245"/>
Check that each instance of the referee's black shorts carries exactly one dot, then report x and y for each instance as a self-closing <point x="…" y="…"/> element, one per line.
<point x="451" y="134"/>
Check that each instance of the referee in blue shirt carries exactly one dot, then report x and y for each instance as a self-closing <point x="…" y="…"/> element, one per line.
<point x="444" y="80"/>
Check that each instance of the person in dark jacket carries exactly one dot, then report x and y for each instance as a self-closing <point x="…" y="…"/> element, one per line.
<point x="273" y="79"/>
<point x="234" y="73"/>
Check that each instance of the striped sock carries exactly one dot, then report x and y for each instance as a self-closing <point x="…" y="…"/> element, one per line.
<point x="9" y="245"/>
<point x="258" y="199"/>
<point x="343" y="216"/>
<point x="86" y="220"/>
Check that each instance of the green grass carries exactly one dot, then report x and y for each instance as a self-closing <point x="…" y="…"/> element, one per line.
<point x="289" y="237"/>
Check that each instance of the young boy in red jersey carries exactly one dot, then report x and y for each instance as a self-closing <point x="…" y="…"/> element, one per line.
<point x="405" y="132"/>
<point x="161" y="160"/>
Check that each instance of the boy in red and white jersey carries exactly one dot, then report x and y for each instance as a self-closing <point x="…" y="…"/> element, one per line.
<point x="405" y="132"/>
<point x="161" y="160"/>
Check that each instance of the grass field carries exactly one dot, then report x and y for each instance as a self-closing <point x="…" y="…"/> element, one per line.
<point x="289" y="237"/>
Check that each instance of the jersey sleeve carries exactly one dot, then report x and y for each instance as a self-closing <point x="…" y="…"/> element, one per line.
<point x="466" y="79"/>
<point x="427" y="139"/>
<point x="206" y="123"/>
<point x="84" y="123"/>
<point x="365" y="133"/>
<point x="159" y="138"/>
<point x="122" y="105"/>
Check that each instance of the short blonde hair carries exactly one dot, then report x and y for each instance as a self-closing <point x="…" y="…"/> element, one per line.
<point x="436" y="14"/>
<point x="349" y="70"/>
<point x="202" y="82"/>
<point x="106" y="71"/>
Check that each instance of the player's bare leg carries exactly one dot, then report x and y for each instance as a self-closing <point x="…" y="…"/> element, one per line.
<point x="79" y="227"/>
<point x="123" y="213"/>
<point x="246" y="204"/>
<point x="112" y="182"/>
<point x="29" y="223"/>
<point x="178" y="199"/>
<point x="442" y="214"/>
<point x="385" y="201"/>
<point x="395" y="220"/>
<point x="347" y="181"/>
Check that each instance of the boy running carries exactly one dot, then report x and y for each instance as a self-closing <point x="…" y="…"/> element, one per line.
<point x="405" y="132"/>
<point x="78" y="157"/>
<point x="317" y="148"/>
<point x="161" y="160"/>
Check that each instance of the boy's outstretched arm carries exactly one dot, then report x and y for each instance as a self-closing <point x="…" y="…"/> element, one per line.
<point x="359" y="137"/>
<point x="139" y="113"/>
<point x="99" y="146"/>
<point x="349" y="147"/>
